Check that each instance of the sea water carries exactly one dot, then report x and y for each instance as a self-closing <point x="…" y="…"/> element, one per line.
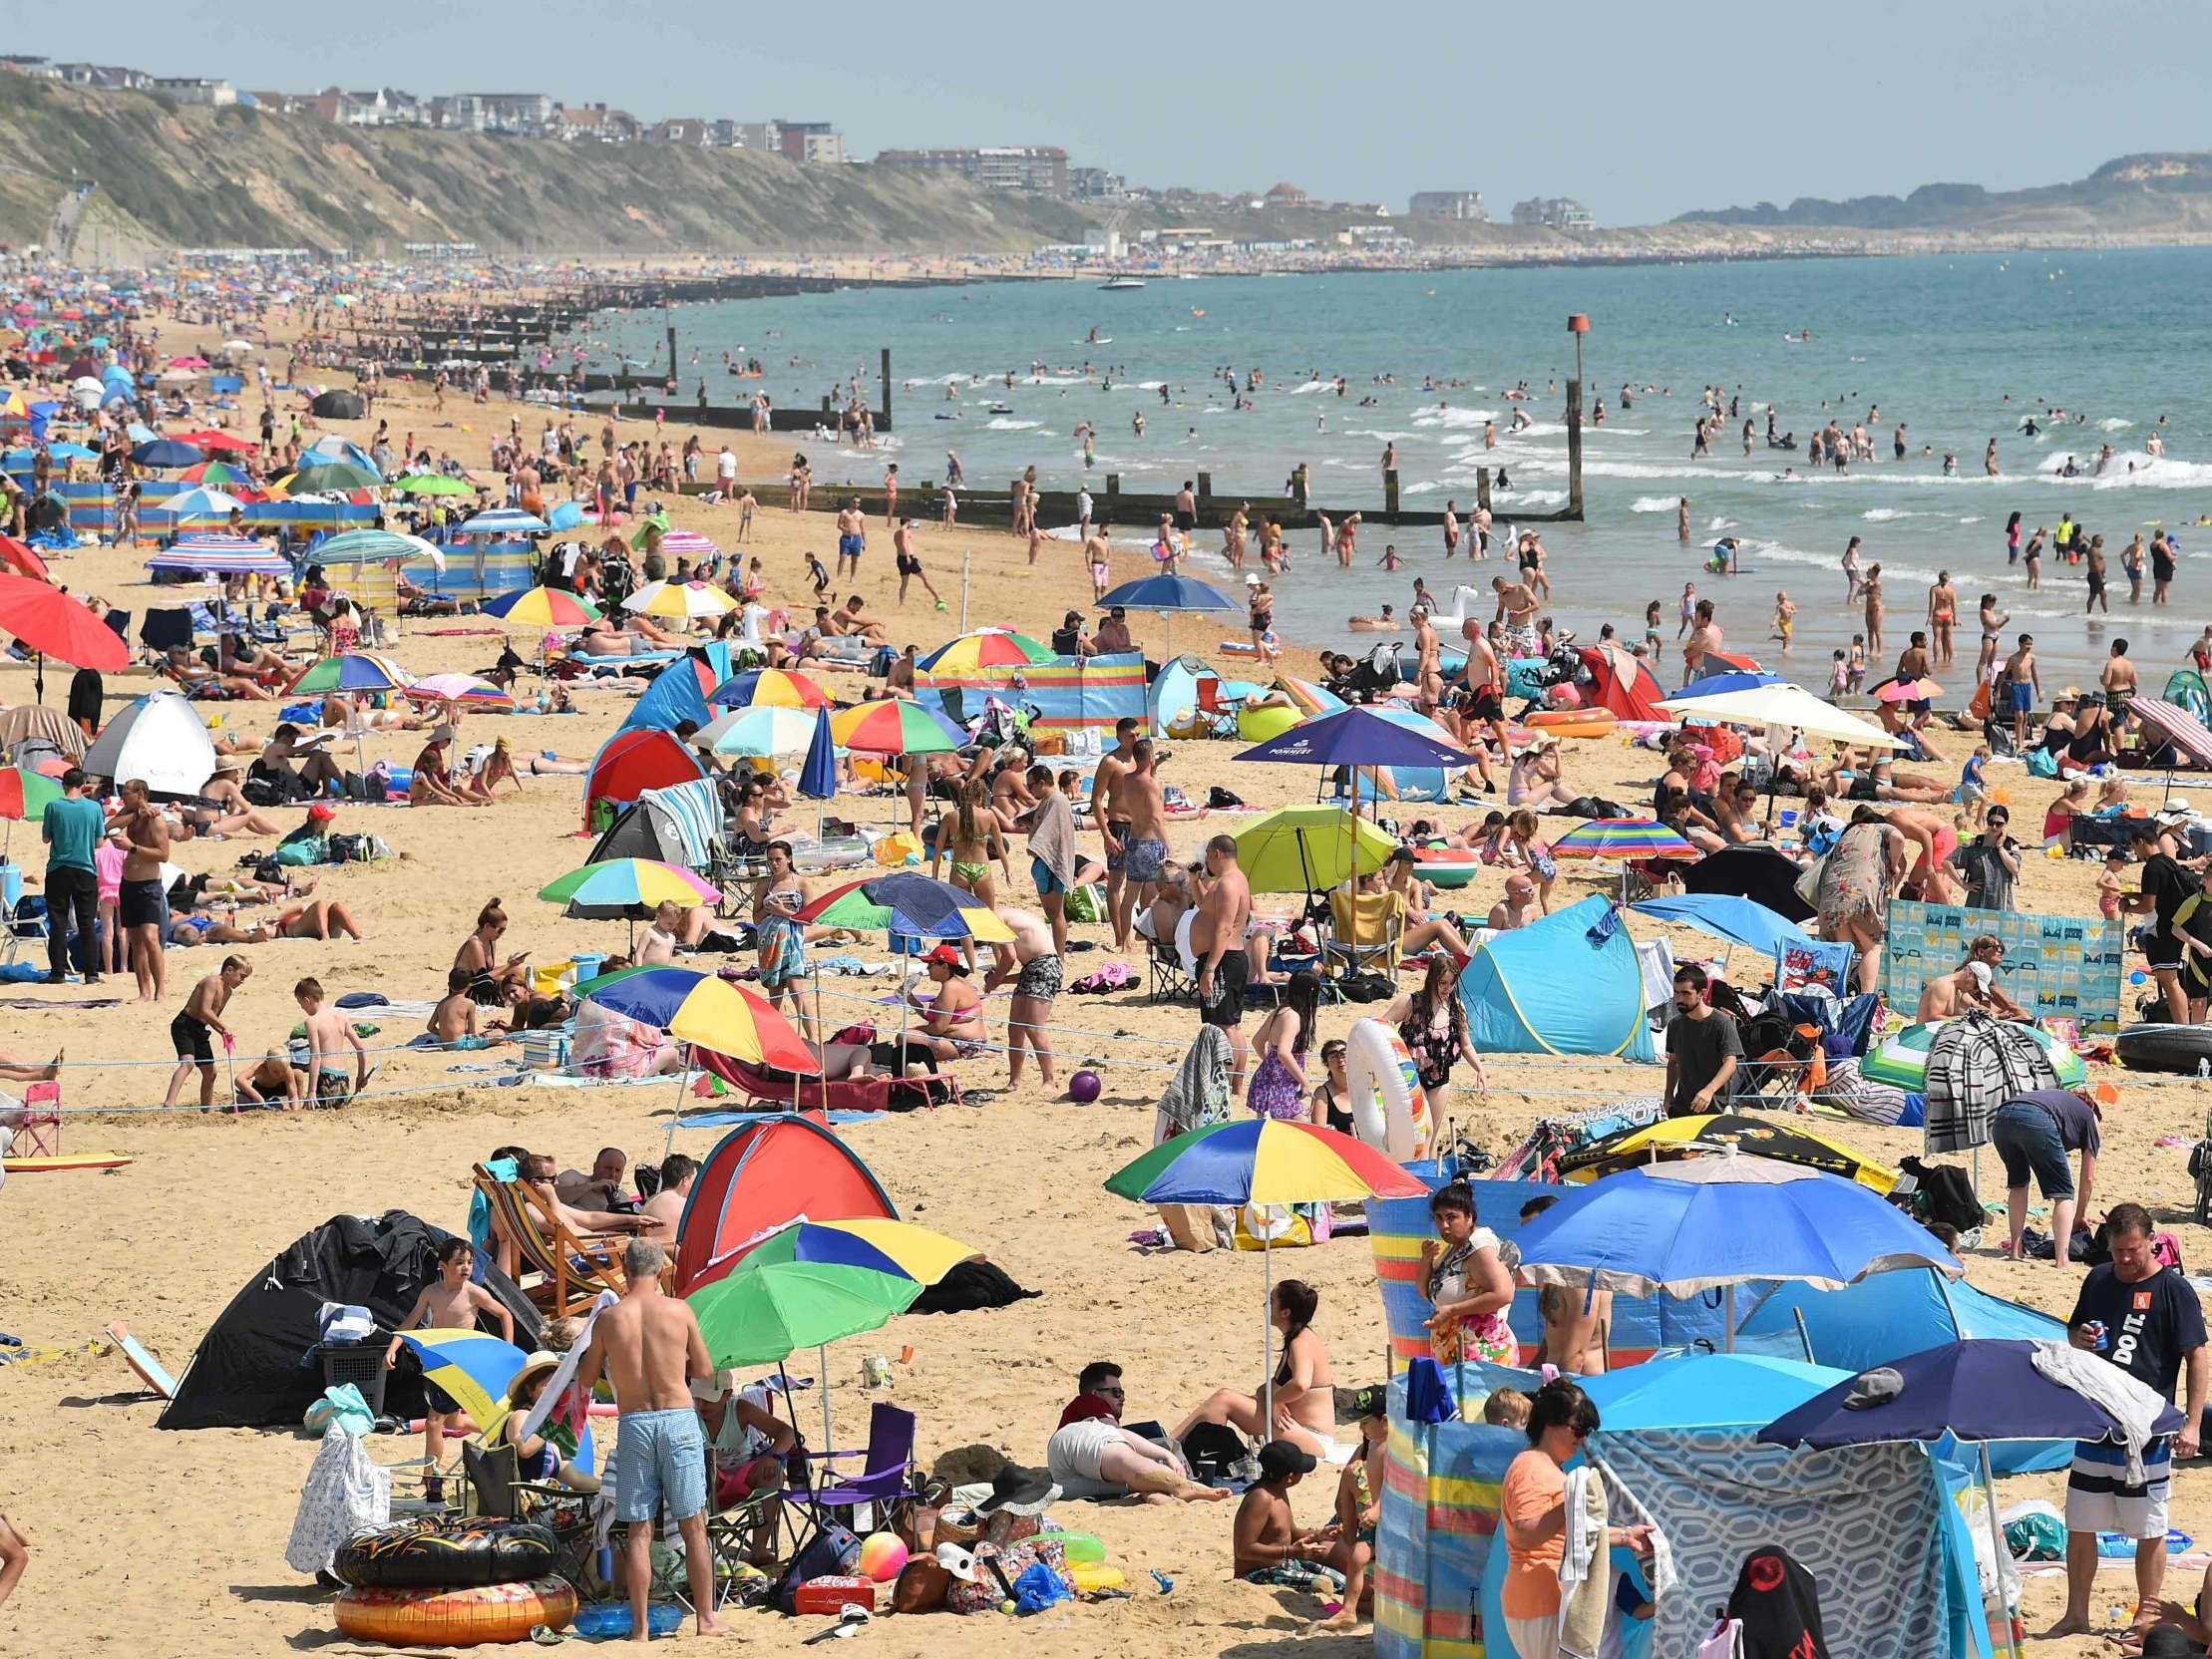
<point x="1962" y="349"/>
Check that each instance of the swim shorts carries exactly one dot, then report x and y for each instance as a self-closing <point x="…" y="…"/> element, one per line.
<point x="1487" y="703"/>
<point x="2019" y="694"/>
<point x="189" y="1039"/>
<point x="848" y="546"/>
<point x="1186" y="521"/>
<point x="659" y="1459"/>
<point x="141" y="903"/>
<point x="2099" y="1499"/>
<point x="1047" y="883"/>
<point x="1041" y="978"/>
<point x="1115" y="861"/>
<point x="1225" y="1008"/>
<point x="1144" y="859"/>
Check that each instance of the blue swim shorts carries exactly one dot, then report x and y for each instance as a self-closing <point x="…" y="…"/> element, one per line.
<point x="660" y="1460"/>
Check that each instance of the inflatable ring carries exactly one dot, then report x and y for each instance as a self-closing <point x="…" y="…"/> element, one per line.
<point x="457" y="1618"/>
<point x="1259" y="724"/>
<point x="1094" y="1575"/>
<point x="446" y="1554"/>
<point x="1390" y="1108"/>
<point x="1572" y="722"/>
<point x="1447" y="866"/>
<point x="2163" y="1048"/>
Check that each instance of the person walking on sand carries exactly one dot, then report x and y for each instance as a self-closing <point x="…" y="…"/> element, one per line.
<point x="1218" y="941"/>
<point x="141" y="906"/>
<point x="648" y="1346"/>
<point x="199" y="1019"/>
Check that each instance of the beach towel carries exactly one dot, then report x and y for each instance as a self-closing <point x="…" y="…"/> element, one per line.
<point x="346" y="1492"/>
<point x="2133" y="1405"/>
<point x="689" y="816"/>
<point x="1778" y="1605"/>
<point x="1584" y="1586"/>
<point x="1197" y="1094"/>
<point x="1975" y="1064"/>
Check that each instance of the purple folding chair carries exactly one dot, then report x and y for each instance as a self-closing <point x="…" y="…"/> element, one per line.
<point x="887" y="1468"/>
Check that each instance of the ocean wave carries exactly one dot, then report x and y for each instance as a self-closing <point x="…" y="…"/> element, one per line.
<point x="2114" y="424"/>
<point x="1000" y="423"/>
<point x="1654" y="504"/>
<point x="1053" y="380"/>
<point x="1476" y="418"/>
<point x="1305" y="387"/>
<point x="1882" y="515"/>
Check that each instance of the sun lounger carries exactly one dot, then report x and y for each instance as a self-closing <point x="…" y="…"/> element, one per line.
<point x="772" y="1089"/>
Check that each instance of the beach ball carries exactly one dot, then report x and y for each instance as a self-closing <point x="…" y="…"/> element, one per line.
<point x="1083" y="1087"/>
<point x="881" y="1557"/>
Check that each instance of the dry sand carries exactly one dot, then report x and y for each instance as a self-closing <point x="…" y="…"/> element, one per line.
<point x="171" y="1543"/>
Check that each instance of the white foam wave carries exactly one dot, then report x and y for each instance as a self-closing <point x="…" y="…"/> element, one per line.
<point x="1054" y="380"/>
<point x="1000" y="423"/>
<point x="1882" y="515"/>
<point x="2114" y="424"/>
<point x="1653" y="504"/>
<point x="1476" y="418"/>
<point x="1312" y="386"/>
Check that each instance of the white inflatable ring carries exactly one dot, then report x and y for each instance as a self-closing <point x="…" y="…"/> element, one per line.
<point x="1390" y="1108"/>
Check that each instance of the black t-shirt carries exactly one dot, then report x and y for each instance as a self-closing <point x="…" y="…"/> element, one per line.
<point x="2149" y="1326"/>
<point x="2076" y="1120"/>
<point x="2168" y="886"/>
<point x="1697" y="1046"/>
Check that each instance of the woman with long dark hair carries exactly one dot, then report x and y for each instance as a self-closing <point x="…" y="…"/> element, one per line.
<point x="1466" y="1285"/>
<point x="1433" y="1024"/>
<point x="1279" y="1085"/>
<point x="1532" y="1504"/>
<point x="1305" y="1401"/>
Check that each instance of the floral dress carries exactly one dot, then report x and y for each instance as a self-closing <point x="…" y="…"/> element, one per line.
<point x="1486" y="1337"/>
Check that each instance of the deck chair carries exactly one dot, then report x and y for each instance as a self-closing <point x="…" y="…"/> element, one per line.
<point x="1166" y="978"/>
<point x="886" y="1481"/>
<point x="565" y="1275"/>
<point x="39" y="1125"/>
<point x="19" y="927"/>
<point x="1365" y="930"/>
<point x="1221" y="712"/>
<point x="164" y="627"/>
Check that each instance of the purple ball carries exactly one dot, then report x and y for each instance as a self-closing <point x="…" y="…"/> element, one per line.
<point x="1083" y="1088"/>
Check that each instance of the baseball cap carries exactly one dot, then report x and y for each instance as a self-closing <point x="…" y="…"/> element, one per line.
<point x="1279" y="1457"/>
<point x="948" y="957"/>
<point x="1982" y="974"/>
<point x="322" y="812"/>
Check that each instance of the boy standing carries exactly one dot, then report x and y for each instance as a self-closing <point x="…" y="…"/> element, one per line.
<point x="452" y="1304"/>
<point x="328" y="1036"/>
<point x="198" y="1020"/>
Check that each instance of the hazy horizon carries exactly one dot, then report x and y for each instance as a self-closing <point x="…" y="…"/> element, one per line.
<point x="1624" y="107"/>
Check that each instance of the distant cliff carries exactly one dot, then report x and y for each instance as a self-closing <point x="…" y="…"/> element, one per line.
<point x="2132" y="196"/>
<point x="172" y="177"/>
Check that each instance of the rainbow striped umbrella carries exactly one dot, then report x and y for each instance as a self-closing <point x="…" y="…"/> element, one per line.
<point x="24" y="792"/>
<point x="775" y="687"/>
<point x="631" y="887"/>
<point x="548" y="607"/>
<point x="986" y="648"/>
<point x="873" y="1244"/>
<point x="683" y="600"/>
<point x="472" y="1369"/>
<point x="1622" y="837"/>
<point x="219" y="555"/>
<point x="351" y="671"/>
<point x="893" y="727"/>
<point x="705" y="1011"/>
<point x="464" y="689"/>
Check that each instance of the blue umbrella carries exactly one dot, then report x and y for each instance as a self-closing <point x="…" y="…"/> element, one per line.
<point x="566" y="516"/>
<point x="1707" y="1223"/>
<point x="1357" y="736"/>
<point x="1706" y="1391"/>
<point x="1734" y="680"/>
<point x="818" y="774"/>
<point x="1969" y="1391"/>
<point x="166" y="451"/>
<point x="1168" y="594"/>
<point x="1741" y="921"/>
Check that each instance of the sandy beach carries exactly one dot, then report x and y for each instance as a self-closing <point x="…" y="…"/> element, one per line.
<point x="158" y="1543"/>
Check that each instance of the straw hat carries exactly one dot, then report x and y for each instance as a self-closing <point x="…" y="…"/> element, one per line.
<point x="542" y="1361"/>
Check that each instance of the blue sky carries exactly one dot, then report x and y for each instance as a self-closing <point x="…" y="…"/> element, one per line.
<point x="1644" y="110"/>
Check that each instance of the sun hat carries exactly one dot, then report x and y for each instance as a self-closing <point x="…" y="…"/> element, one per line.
<point x="1015" y="1490"/>
<point x="543" y="1360"/>
<point x="443" y="734"/>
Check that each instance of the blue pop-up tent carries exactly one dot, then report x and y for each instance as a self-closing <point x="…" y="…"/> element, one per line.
<point x="1568" y="984"/>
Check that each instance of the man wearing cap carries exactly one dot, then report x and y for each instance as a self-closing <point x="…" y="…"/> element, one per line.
<point x="1269" y="1547"/>
<point x="2032" y="1132"/>
<point x="1951" y="994"/>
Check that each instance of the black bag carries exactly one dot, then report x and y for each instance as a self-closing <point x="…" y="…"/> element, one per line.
<point x="972" y="1286"/>
<point x="1212" y="1450"/>
<point x="831" y="1551"/>
<point x="1944" y="1193"/>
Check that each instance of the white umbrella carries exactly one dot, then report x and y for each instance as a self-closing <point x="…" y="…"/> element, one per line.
<point x="237" y="348"/>
<point x="160" y="739"/>
<point x="1784" y="705"/>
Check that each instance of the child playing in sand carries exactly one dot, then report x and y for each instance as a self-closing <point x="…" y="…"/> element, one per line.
<point x="328" y="1036"/>
<point x="1785" y="617"/>
<point x="1359" y="1504"/>
<point x="1267" y="1547"/>
<point x="2108" y="884"/>
<point x="452" y="1304"/>
<point x="453" y="1023"/>
<point x="199" y="1019"/>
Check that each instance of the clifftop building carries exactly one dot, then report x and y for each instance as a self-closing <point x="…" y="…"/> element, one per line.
<point x="1464" y="206"/>
<point x="1554" y="212"/>
<point x="1041" y="169"/>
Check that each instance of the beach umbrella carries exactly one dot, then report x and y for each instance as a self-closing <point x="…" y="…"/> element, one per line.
<point x="159" y="739"/>
<point x="682" y="600"/>
<point x="986" y="648"/>
<point x="336" y="446"/>
<point x="1782" y="704"/>
<point x="22" y="560"/>
<point x="219" y="555"/>
<point x="1705" y="1391"/>
<point x="674" y="543"/>
<point x="24" y="793"/>
<point x="1357" y="736"/>
<point x="49" y="623"/>
<point x="193" y="362"/>
<point x="1717" y="1131"/>
<point x="501" y="521"/>
<point x="895" y="727"/>
<point x="472" y="1369"/>
<point x="566" y="516"/>
<point x="374" y="546"/>
<point x="465" y="690"/>
<point x="315" y="478"/>
<point x="1167" y="595"/>
<point x="188" y="505"/>
<point x="1902" y="1058"/>
<point x="705" y="1010"/>
<point x="626" y="887"/>
<point x="766" y="731"/>
<point x="1906" y="691"/>
<point x="763" y="1315"/>
<point x="212" y="439"/>
<point x="905" y="903"/>
<point x="1709" y="1223"/>
<point x="351" y="671"/>
<point x="1760" y="873"/>
<point x="547" y="607"/>
<point x="163" y="453"/>
<point x="1622" y="838"/>
<point x="1973" y="1390"/>
<point x="1306" y="850"/>
<point x="772" y="687"/>
<point x="1262" y="1160"/>
<point x="433" y="483"/>
<point x="215" y="475"/>
<point x="1729" y="680"/>
<point x="874" y="1244"/>
<point x="818" y="780"/>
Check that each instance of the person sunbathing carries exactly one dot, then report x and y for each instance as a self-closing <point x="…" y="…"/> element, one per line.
<point x="318" y="918"/>
<point x="537" y="1460"/>
<point x="1304" y="1402"/>
<point x="1386" y="624"/>
<point x="1419" y="936"/>
<point x="854" y="625"/>
<point x="343" y="714"/>
<point x="27" y="1070"/>
<point x="500" y="767"/>
<point x="434" y="786"/>
<point x="604" y="639"/>
<point x="1534" y="781"/>
<point x="316" y="771"/>
<point x="197" y="679"/>
<point x="236" y="655"/>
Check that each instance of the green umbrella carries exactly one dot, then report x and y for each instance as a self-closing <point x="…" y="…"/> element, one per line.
<point x="1308" y="850"/>
<point x="760" y="1314"/>
<point x="322" y="476"/>
<point x="433" y="483"/>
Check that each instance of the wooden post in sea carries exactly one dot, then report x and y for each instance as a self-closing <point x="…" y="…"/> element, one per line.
<point x="883" y="415"/>
<point x="1391" y="496"/>
<point x="1482" y="487"/>
<point x="1577" y="324"/>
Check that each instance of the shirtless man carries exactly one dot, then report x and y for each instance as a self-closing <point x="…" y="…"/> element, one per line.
<point x="1218" y="941"/>
<point x="1034" y="969"/>
<point x="665" y="1207"/>
<point x="2096" y="574"/>
<point x="1140" y="798"/>
<point x="854" y="625"/>
<point x="1517" y="608"/>
<point x="1428" y="676"/>
<point x="1112" y="637"/>
<point x="142" y="906"/>
<point x="852" y="537"/>
<point x="1705" y="636"/>
<point x="1913" y="664"/>
<point x="2118" y="678"/>
<point x="452" y="1304"/>
<point x="1518" y="908"/>
<point x="1113" y="824"/>
<point x="649" y="1347"/>
<point x="2022" y="683"/>
<point x="197" y="1021"/>
<point x="1949" y="995"/>
<point x="1486" y="682"/>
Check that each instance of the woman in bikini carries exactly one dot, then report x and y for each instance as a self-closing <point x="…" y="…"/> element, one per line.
<point x="974" y="838"/>
<point x="491" y="985"/>
<point x="1333" y="1095"/>
<point x="499" y="767"/>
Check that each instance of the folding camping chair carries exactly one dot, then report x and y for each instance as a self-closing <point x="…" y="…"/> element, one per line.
<point x="37" y="1123"/>
<point x="165" y="628"/>
<point x="1221" y="712"/>
<point x="885" y="1481"/>
<point x="1365" y="930"/>
<point x="19" y="927"/>
<point x="1167" y="979"/>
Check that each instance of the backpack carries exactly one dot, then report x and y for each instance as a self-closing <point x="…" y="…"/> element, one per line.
<point x="830" y="1552"/>
<point x="1944" y="1193"/>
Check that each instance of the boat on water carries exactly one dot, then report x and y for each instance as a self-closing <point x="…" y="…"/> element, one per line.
<point x="1114" y="282"/>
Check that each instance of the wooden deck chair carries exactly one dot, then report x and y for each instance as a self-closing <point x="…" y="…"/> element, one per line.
<point x="559" y="1272"/>
<point x="1364" y="929"/>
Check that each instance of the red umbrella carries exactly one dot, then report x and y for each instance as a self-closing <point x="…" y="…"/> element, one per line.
<point x="14" y="555"/>
<point x="218" y="440"/>
<point x="48" y="621"/>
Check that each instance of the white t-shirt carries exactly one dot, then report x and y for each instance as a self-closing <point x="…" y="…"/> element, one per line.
<point x="725" y="464"/>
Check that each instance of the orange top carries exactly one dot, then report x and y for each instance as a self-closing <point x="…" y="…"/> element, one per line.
<point x="1534" y="1487"/>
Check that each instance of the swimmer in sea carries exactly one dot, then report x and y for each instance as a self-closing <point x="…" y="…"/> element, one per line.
<point x="1383" y="624"/>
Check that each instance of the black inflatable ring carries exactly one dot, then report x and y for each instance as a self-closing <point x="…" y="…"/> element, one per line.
<point x="446" y="1554"/>
<point x="2164" y="1048"/>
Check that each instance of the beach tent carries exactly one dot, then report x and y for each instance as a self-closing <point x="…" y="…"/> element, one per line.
<point x="672" y="825"/>
<point x="1620" y="681"/>
<point x="339" y="405"/>
<point x="2186" y="689"/>
<point x="161" y="739"/>
<point x="247" y="1372"/>
<point x="630" y="762"/>
<point x="761" y="1176"/>
<point x="1173" y="702"/>
<point x="1568" y="984"/>
<point x="1889" y="1315"/>
<point x="1875" y="1525"/>
<point x="674" y="697"/>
